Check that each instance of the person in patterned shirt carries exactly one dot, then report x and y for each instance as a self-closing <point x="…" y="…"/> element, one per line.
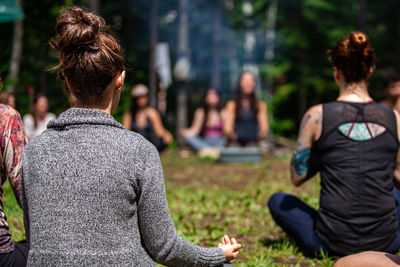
<point x="12" y="142"/>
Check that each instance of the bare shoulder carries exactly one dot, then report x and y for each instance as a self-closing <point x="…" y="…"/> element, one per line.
<point x="230" y="105"/>
<point x="262" y="106"/>
<point x="315" y="109"/>
<point x="314" y="113"/>
<point x="311" y="123"/>
<point x="126" y="115"/>
<point x="199" y="112"/>
<point x="152" y="112"/>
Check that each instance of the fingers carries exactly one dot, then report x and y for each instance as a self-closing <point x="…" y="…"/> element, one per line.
<point x="236" y="247"/>
<point x="233" y="241"/>
<point x="227" y="240"/>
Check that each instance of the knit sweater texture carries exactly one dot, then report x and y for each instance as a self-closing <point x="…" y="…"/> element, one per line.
<point x="94" y="195"/>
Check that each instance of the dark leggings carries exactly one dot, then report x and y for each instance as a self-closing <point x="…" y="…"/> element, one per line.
<point x="297" y="220"/>
<point x="16" y="258"/>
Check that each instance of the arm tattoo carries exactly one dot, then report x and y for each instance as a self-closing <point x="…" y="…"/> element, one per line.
<point x="300" y="161"/>
<point x="304" y="122"/>
<point x="318" y="120"/>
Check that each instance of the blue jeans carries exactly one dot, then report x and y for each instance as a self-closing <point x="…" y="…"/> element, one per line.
<point x="297" y="220"/>
<point x="197" y="143"/>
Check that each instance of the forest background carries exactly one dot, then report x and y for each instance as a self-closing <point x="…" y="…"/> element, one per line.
<point x="283" y="42"/>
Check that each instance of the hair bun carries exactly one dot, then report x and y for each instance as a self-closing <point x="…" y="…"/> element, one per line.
<point x="358" y="41"/>
<point x="77" y="29"/>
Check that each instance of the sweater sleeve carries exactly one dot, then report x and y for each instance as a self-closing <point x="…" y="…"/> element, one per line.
<point x="157" y="228"/>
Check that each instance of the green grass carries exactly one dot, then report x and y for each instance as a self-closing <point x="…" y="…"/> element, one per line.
<point x="208" y="200"/>
<point x="13" y="213"/>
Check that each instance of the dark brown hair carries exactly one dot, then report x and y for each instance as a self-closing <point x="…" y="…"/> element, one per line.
<point x="90" y="56"/>
<point x="354" y="56"/>
<point x="238" y="96"/>
<point x="390" y="78"/>
<point x="4" y="96"/>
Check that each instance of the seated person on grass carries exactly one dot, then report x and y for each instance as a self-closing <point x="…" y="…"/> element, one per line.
<point x="246" y="117"/>
<point x="392" y="91"/>
<point x="354" y="144"/>
<point x="12" y="142"/>
<point x="205" y="135"/>
<point x="94" y="191"/>
<point x="146" y="120"/>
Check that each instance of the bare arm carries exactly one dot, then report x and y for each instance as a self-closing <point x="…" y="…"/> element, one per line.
<point x="197" y="124"/>
<point x="229" y="121"/>
<point x="397" y="168"/>
<point x="159" y="129"/>
<point x="127" y="120"/>
<point x="302" y="166"/>
<point x="262" y="118"/>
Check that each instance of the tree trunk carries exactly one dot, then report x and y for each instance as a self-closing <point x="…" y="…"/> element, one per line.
<point x="43" y="64"/>
<point x="216" y="67"/>
<point x="94" y="6"/>
<point x="183" y="56"/>
<point x="16" y="54"/>
<point x="270" y="32"/>
<point x="398" y="34"/>
<point x="361" y="15"/>
<point x="153" y="43"/>
<point x="43" y="51"/>
<point x="302" y="66"/>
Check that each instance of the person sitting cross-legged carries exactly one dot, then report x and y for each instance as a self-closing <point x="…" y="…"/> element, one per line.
<point x="12" y="142"/>
<point x="94" y="191"/>
<point x="353" y="143"/>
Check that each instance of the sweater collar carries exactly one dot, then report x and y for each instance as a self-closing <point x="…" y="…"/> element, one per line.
<point x="82" y="116"/>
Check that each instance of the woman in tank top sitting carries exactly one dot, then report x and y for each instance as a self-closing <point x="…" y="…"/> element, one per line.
<point x="205" y="135"/>
<point x="353" y="143"/>
<point x="146" y="120"/>
<point x="246" y="116"/>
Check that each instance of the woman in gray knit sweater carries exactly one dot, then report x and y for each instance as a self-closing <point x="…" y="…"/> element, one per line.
<point x="94" y="192"/>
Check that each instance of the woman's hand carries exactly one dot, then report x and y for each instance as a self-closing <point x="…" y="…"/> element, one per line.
<point x="186" y="132"/>
<point x="230" y="247"/>
<point x="167" y="138"/>
<point x="262" y="133"/>
<point x="232" y="136"/>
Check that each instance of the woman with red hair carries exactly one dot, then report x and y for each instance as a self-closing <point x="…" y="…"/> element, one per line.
<point x="353" y="143"/>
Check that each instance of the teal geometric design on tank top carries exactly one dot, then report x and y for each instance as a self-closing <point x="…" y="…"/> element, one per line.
<point x="361" y="131"/>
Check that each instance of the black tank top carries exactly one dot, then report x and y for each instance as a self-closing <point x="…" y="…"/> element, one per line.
<point x="246" y="126"/>
<point x="146" y="131"/>
<point x="357" y="209"/>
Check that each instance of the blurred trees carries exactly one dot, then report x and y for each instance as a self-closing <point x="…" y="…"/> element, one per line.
<point x="297" y="76"/>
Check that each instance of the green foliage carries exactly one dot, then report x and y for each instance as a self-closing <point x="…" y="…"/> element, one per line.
<point x="299" y="76"/>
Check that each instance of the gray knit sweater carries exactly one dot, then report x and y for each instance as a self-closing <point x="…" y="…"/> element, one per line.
<point x="94" y="195"/>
